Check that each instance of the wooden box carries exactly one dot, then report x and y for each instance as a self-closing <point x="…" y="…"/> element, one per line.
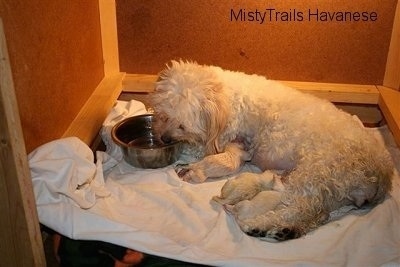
<point x="64" y="64"/>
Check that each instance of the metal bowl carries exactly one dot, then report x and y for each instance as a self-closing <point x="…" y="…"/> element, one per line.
<point x="140" y="145"/>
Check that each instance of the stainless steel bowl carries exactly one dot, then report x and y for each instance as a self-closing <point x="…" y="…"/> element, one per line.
<point x="139" y="143"/>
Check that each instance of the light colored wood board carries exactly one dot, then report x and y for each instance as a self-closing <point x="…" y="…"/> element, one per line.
<point x="370" y="115"/>
<point x="21" y="242"/>
<point x="389" y="103"/>
<point x="145" y="98"/>
<point x="346" y="93"/>
<point x="392" y="71"/>
<point x="336" y="92"/>
<point x="139" y="83"/>
<point x="109" y="37"/>
<point x="88" y="122"/>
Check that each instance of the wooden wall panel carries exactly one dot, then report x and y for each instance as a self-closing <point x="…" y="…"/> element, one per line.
<point x="56" y="59"/>
<point x="153" y="32"/>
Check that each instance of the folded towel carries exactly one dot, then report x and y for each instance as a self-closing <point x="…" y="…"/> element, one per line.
<point x="63" y="171"/>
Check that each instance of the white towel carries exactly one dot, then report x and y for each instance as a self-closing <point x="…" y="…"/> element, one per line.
<point x="63" y="171"/>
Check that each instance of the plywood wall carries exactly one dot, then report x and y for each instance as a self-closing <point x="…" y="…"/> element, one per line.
<point x="282" y="47"/>
<point x="56" y="59"/>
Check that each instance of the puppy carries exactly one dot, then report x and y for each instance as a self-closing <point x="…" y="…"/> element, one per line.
<point x="246" y="186"/>
<point x="331" y="160"/>
<point x="262" y="203"/>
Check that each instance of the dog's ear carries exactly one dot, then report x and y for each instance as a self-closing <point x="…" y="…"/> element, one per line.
<point x="215" y="114"/>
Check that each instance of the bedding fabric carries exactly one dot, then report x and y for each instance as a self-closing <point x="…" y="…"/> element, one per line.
<point x="154" y="212"/>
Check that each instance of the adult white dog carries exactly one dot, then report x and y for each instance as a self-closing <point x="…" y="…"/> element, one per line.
<point x="330" y="160"/>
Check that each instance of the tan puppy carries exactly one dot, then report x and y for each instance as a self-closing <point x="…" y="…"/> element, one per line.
<point x="260" y="204"/>
<point x="246" y="186"/>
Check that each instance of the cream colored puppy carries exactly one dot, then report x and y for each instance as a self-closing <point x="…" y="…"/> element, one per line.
<point x="246" y="185"/>
<point x="263" y="202"/>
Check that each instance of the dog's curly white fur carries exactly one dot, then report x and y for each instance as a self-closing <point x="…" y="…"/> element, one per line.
<point x="331" y="160"/>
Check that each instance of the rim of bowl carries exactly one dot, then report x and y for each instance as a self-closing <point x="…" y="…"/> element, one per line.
<point x="123" y="144"/>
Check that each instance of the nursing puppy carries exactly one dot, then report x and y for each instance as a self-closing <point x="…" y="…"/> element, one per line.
<point x="330" y="159"/>
<point x="261" y="203"/>
<point x="246" y="186"/>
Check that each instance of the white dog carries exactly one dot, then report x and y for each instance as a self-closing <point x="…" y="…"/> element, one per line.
<point x="330" y="159"/>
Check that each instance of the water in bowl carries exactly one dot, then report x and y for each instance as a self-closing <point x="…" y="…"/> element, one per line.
<point x="146" y="142"/>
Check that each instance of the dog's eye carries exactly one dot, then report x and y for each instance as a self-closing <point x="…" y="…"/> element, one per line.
<point x="181" y="127"/>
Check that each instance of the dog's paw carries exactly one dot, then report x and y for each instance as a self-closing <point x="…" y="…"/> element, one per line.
<point x="256" y="232"/>
<point x="181" y="169"/>
<point x="261" y="230"/>
<point x="189" y="174"/>
<point x="274" y="234"/>
<point x="282" y="234"/>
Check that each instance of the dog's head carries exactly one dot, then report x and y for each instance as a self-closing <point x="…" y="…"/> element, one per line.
<point x="189" y="105"/>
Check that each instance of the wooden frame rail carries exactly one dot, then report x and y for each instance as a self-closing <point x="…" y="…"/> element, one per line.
<point x="87" y="123"/>
<point x="389" y="103"/>
<point x="21" y="241"/>
<point x="387" y="99"/>
<point x="345" y="93"/>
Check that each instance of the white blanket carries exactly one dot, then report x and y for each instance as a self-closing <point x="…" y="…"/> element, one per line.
<point x="153" y="211"/>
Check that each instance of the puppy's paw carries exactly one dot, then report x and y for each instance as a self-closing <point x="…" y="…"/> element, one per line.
<point x="277" y="183"/>
<point x="219" y="200"/>
<point x="230" y="209"/>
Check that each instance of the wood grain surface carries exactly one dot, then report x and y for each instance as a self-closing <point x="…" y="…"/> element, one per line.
<point x="56" y="59"/>
<point x="153" y="32"/>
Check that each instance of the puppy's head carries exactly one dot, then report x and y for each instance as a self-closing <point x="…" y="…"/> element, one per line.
<point x="189" y="105"/>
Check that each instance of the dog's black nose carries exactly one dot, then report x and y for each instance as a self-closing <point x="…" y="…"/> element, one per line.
<point x="166" y="139"/>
